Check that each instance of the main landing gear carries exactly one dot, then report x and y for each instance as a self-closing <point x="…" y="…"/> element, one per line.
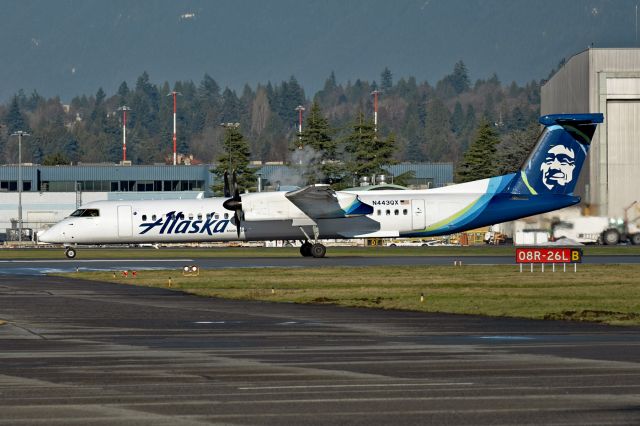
<point x="70" y="252"/>
<point x="315" y="249"/>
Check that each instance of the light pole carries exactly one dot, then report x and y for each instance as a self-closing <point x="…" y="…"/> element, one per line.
<point x="20" y="134"/>
<point x="375" y="94"/>
<point x="300" y="110"/>
<point x="175" y="138"/>
<point x="124" y="110"/>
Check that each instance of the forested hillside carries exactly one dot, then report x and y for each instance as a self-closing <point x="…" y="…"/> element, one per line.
<point x="428" y="122"/>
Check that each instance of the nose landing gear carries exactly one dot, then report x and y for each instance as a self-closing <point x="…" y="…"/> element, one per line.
<point x="70" y="252"/>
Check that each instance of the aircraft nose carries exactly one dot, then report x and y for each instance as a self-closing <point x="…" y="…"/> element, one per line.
<point x="51" y="235"/>
<point x="44" y="236"/>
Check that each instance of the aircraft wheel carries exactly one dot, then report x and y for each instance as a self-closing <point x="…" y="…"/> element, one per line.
<point x="70" y="253"/>
<point x="635" y="239"/>
<point x="305" y="249"/>
<point x="318" y="250"/>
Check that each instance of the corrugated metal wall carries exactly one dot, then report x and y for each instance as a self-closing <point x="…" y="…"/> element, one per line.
<point x="623" y="134"/>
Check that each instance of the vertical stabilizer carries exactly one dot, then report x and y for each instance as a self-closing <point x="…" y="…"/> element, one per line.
<point x="557" y="159"/>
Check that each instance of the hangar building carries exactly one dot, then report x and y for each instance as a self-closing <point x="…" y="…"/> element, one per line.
<point x="606" y="81"/>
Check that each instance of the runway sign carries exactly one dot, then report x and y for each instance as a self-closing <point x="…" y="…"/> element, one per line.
<point x="548" y="255"/>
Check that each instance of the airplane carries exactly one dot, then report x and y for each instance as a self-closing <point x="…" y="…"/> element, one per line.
<point x="544" y="183"/>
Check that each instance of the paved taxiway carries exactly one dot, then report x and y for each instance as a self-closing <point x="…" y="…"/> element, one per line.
<point x="96" y="353"/>
<point x="35" y="267"/>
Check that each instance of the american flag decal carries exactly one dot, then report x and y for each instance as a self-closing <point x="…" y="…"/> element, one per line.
<point x="405" y="202"/>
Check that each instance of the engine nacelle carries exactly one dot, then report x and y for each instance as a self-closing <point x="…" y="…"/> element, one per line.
<point x="262" y="206"/>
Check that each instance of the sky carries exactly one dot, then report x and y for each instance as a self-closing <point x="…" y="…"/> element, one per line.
<point x="72" y="47"/>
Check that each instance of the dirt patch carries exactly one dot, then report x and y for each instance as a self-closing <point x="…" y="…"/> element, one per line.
<point x="375" y="300"/>
<point x="592" y="316"/>
<point x="324" y="300"/>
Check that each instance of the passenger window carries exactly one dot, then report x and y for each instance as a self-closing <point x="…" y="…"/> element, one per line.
<point x="199" y="216"/>
<point x="190" y="216"/>
<point x="388" y="212"/>
<point x="180" y="215"/>
<point x="379" y="212"/>
<point x="153" y="217"/>
<point x="396" y="212"/>
<point x="217" y="216"/>
<point x="226" y="215"/>
<point x="405" y="212"/>
<point x="144" y="217"/>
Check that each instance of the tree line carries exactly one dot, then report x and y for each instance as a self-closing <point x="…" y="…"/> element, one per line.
<point x="417" y="122"/>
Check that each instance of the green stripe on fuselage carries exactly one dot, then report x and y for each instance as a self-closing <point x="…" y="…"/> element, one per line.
<point x="451" y="218"/>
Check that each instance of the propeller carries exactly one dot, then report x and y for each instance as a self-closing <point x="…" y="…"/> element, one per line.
<point x="235" y="203"/>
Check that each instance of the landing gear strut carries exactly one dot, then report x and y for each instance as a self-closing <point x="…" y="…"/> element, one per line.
<point x="70" y="252"/>
<point x="314" y="249"/>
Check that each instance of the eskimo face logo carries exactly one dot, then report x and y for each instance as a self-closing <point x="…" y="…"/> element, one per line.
<point x="557" y="167"/>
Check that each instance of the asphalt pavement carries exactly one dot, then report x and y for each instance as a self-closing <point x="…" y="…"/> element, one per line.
<point x="37" y="267"/>
<point x="80" y="352"/>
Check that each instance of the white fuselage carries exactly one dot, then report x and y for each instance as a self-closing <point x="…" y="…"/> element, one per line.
<point x="267" y="216"/>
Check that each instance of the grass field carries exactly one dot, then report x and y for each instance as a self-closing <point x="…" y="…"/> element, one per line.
<point x="189" y="252"/>
<point x="600" y="293"/>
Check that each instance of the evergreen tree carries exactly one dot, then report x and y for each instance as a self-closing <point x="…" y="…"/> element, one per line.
<point x="440" y="143"/>
<point x="100" y="96"/>
<point x="317" y="135"/>
<point x="123" y="92"/>
<point x="457" y="118"/>
<point x="368" y="153"/>
<point x="480" y="159"/>
<point x="15" y="119"/>
<point x="56" y="159"/>
<point x="515" y="148"/>
<point x="209" y="92"/>
<point x="230" y="111"/>
<point x="386" y="80"/>
<point x="460" y="78"/>
<point x="235" y="157"/>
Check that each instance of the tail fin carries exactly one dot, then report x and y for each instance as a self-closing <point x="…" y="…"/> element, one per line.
<point x="556" y="161"/>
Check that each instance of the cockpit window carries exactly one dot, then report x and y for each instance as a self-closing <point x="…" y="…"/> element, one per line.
<point x="86" y="213"/>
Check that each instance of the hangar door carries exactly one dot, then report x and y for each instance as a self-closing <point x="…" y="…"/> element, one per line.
<point x="124" y="221"/>
<point x="623" y="146"/>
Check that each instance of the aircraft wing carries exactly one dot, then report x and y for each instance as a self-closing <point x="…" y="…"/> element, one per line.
<point x="322" y="202"/>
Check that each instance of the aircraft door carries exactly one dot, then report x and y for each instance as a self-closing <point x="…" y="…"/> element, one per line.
<point x="418" y="215"/>
<point x="125" y="223"/>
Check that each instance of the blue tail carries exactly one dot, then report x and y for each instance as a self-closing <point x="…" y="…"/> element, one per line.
<point x="555" y="163"/>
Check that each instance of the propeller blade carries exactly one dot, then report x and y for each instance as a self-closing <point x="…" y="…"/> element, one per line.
<point x="236" y="192"/>
<point x="227" y="189"/>
<point x="236" y="217"/>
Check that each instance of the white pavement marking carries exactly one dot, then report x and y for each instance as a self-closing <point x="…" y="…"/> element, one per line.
<point x="210" y="322"/>
<point x="364" y="385"/>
